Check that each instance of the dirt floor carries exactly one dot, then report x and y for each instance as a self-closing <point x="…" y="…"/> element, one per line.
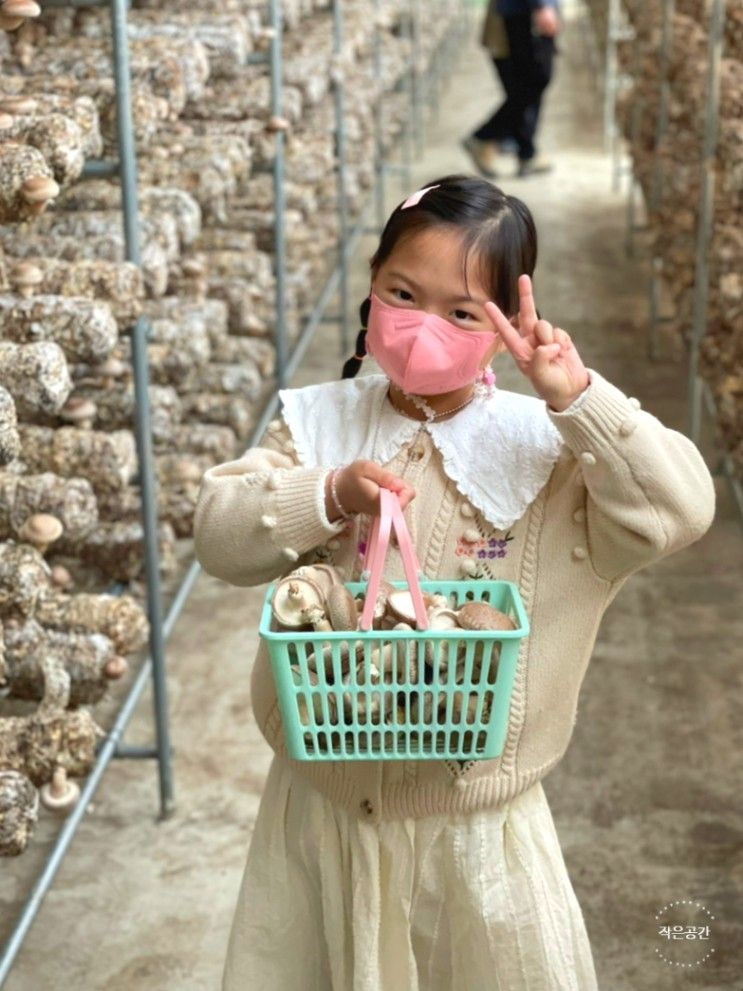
<point x="647" y="800"/>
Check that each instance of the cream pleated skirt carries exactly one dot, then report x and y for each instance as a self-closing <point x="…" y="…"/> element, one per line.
<point x="478" y="902"/>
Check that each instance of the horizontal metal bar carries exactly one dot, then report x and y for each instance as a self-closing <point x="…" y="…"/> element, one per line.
<point x="99" y="168"/>
<point x="257" y="58"/>
<point x="127" y="750"/>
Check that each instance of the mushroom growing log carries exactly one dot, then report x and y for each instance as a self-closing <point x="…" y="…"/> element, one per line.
<point x="36" y="744"/>
<point x="19" y="809"/>
<point x="10" y="443"/>
<point x="88" y="658"/>
<point x="119" y="283"/>
<point x="36" y="375"/>
<point x="23" y="576"/>
<point x="117" y="549"/>
<point x="85" y="329"/>
<point x="107" y="460"/>
<point x="70" y="500"/>
<point x="80" y="108"/>
<point x="26" y="182"/>
<point x="120" y="618"/>
<point x="56" y="136"/>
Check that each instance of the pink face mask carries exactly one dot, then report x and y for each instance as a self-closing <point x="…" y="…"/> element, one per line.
<point x="422" y="353"/>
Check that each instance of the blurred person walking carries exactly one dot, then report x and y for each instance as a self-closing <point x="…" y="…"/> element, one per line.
<point x="520" y="36"/>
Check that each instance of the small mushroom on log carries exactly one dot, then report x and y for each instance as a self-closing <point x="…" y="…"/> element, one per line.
<point x="25" y="279"/>
<point x="60" y="795"/>
<point x="19" y="810"/>
<point x="71" y="500"/>
<point x="41" y="530"/>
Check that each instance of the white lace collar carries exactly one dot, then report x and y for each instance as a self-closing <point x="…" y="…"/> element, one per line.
<point x="499" y="452"/>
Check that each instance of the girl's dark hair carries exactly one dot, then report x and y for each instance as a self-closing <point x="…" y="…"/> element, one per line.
<point x="499" y="230"/>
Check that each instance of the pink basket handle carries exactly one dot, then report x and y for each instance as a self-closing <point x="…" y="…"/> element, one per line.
<point x="390" y="514"/>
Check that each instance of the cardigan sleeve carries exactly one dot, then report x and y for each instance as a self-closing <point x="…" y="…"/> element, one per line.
<point x="649" y="491"/>
<point x="257" y="515"/>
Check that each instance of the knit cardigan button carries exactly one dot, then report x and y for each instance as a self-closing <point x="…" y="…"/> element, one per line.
<point x="471" y="535"/>
<point x="467" y="510"/>
<point x="579" y="515"/>
<point x="579" y="553"/>
<point x="290" y="553"/>
<point x="634" y="403"/>
<point x="272" y="482"/>
<point x="587" y="458"/>
<point x="468" y="566"/>
<point x="334" y="544"/>
<point x="627" y="427"/>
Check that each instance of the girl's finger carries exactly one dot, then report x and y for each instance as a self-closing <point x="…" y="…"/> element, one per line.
<point x="563" y="338"/>
<point x="543" y="356"/>
<point x="511" y="337"/>
<point x="527" y="307"/>
<point x="544" y="332"/>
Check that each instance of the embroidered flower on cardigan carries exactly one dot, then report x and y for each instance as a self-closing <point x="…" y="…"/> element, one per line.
<point x="484" y="547"/>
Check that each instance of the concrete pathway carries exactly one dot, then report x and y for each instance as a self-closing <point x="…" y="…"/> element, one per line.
<point x="647" y="800"/>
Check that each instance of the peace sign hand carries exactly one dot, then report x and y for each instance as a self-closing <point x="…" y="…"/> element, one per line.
<point x="545" y="354"/>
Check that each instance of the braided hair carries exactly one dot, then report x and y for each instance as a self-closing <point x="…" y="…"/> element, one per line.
<point x="353" y="364"/>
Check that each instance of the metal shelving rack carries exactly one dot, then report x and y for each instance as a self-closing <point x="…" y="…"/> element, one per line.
<point x="700" y="399"/>
<point x="336" y="285"/>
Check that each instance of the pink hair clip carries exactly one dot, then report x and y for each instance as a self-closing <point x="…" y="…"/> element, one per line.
<point x="416" y="197"/>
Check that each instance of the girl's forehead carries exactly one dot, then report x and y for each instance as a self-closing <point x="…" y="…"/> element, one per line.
<point x="435" y="260"/>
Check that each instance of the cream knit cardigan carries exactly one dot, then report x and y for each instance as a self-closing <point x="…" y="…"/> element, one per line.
<point x="623" y="492"/>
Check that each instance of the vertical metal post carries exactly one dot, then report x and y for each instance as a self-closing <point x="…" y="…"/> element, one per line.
<point x="340" y="150"/>
<point x="656" y="187"/>
<point x="610" y="76"/>
<point x="279" y="192"/>
<point x="143" y="427"/>
<point x="379" y="191"/>
<point x="408" y="135"/>
<point x="418" y="118"/>
<point x="706" y="216"/>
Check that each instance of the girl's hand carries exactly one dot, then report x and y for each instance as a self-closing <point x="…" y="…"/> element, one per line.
<point x="358" y="485"/>
<point x="545" y="354"/>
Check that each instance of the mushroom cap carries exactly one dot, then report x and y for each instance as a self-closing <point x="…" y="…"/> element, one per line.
<point x="21" y="8"/>
<point x="41" y="528"/>
<point x="400" y="605"/>
<point x="115" y="667"/>
<point x="60" y="794"/>
<point x="78" y="408"/>
<point x="483" y="616"/>
<point x="61" y="576"/>
<point x="26" y="274"/>
<point x="341" y="607"/>
<point x="8" y="23"/>
<point x="291" y="595"/>
<point x="443" y="619"/>
<point x="193" y="267"/>
<point x="318" y="575"/>
<point x="112" y="368"/>
<point x="39" y="189"/>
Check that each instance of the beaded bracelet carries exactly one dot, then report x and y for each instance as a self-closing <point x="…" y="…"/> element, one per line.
<point x="334" y="495"/>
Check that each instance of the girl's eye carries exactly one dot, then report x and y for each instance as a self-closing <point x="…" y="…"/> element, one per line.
<point x="403" y="294"/>
<point x="463" y="315"/>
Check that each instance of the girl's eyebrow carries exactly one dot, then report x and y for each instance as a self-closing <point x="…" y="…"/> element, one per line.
<point x="452" y="299"/>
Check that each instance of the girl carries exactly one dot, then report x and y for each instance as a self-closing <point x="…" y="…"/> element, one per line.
<point x="444" y="875"/>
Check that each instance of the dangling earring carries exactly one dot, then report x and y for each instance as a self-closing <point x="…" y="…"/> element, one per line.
<point x="485" y="385"/>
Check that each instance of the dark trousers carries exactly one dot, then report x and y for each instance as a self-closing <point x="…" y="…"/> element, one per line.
<point x="525" y="75"/>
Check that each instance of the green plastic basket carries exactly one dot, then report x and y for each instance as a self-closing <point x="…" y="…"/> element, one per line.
<point x="460" y="712"/>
